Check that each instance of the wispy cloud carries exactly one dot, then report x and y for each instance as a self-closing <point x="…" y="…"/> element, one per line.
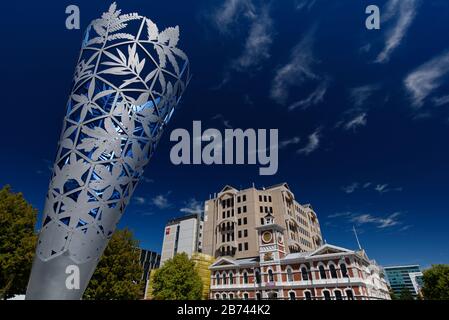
<point x="359" y="95"/>
<point x="403" y="13"/>
<point x="317" y="96"/>
<point x="384" y="188"/>
<point x="304" y="4"/>
<point x="258" y="43"/>
<point x="140" y="200"/>
<point x="193" y="206"/>
<point x="312" y="144"/>
<point x="441" y="101"/>
<point x="356" y="122"/>
<point x="380" y="222"/>
<point x="351" y="188"/>
<point x="230" y="11"/>
<point x="225" y="122"/>
<point x="295" y="71"/>
<point x="161" y="201"/>
<point x="285" y="143"/>
<point x="426" y="78"/>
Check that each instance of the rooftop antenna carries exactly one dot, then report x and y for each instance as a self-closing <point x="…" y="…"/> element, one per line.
<point x="253" y="185"/>
<point x="356" y="237"/>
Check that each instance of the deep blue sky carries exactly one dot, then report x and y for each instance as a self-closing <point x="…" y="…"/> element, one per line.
<point x="368" y="149"/>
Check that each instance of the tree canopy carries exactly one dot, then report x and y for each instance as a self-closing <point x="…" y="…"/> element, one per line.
<point x="17" y="242"/>
<point x="436" y="282"/>
<point x="118" y="274"/>
<point x="177" y="279"/>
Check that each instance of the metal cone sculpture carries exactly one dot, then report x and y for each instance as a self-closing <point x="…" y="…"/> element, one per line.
<point x="129" y="78"/>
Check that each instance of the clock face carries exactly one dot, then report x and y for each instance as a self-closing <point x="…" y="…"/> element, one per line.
<point x="267" y="236"/>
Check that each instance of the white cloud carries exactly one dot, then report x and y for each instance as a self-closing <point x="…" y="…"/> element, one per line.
<point x="304" y="4"/>
<point x="161" y="201"/>
<point x="441" y="101"/>
<point x="383" y="188"/>
<point x="351" y="188"/>
<point x="288" y="142"/>
<point x="404" y="11"/>
<point x="359" y="95"/>
<point x="380" y="222"/>
<point x="140" y="200"/>
<point x="312" y="144"/>
<point x="193" y="206"/>
<point x="314" y="98"/>
<point x="295" y="71"/>
<point x="426" y="78"/>
<point x="258" y="42"/>
<point x="356" y="122"/>
<point x="230" y="11"/>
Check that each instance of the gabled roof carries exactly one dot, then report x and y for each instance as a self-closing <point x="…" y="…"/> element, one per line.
<point x="227" y="187"/>
<point x="232" y="263"/>
<point x="329" y="249"/>
<point x="282" y="184"/>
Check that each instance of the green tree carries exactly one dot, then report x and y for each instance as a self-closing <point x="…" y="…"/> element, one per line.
<point x="17" y="242"/>
<point x="178" y="279"/>
<point x="118" y="274"/>
<point x="393" y="295"/>
<point x="436" y="282"/>
<point x="405" y="294"/>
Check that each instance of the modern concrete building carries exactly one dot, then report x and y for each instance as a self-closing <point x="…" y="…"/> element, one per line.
<point x="183" y="234"/>
<point x="405" y="277"/>
<point x="326" y="273"/>
<point x="232" y="216"/>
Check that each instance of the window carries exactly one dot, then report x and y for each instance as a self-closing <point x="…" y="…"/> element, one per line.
<point x="338" y="295"/>
<point x="239" y="210"/>
<point x="261" y="221"/>
<point x="244" y="209"/>
<point x="289" y="275"/>
<point x="258" y="296"/>
<point x="240" y="247"/>
<point x="245" y="277"/>
<point x="245" y="296"/>
<point x="245" y="220"/>
<point x="349" y="294"/>
<point x="240" y="234"/>
<point x="217" y="279"/>
<point x="322" y="272"/>
<point x="225" y="279"/>
<point x="333" y="271"/>
<point x="223" y="296"/>
<point x="269" y="198"/>
<point x="245" y="233"/>
<point x="292" y="295"/>
<point x="222" y="237"/>
<point x="307" y="295"/>
<point x="244" y="198"/>
<point x="239" y="199"/>
<point x="224" y="214"/>
<point x="231" y="296"/>
<point x="231" y="278"/>
<point x="260" y="197"/>
<point x="246" y="246"/>
<point x="270" y="276"/>
<point x="327" y="295"/>
<point x="265" y="198"/>
<point x="217" y="296"/>
<point x="344" y="270"/>
<point x="261" y="209"/>
<point x="266" y="209"/>
<point x="304" y="274"/>
<point x="271" y="209"/>
<point x="239" y="222"/>
<point x="258" y="279"/>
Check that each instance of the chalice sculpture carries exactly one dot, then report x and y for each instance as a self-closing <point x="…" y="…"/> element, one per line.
<point x="129" y="78"/>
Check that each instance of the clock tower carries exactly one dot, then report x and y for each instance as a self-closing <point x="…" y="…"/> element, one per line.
<point x="271" y="241"/>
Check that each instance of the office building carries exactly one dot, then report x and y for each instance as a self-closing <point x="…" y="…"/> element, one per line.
<point x="232" y="216"/>
<point x="149" y="260"/>
<point x="182" y="234"/>
<point x="405" y="277"/>
<point x="326" y="273"/>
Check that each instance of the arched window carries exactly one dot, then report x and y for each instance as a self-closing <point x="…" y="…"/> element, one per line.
<point x="231" y="278"/>
<point x="349" y="294"/>
<point x="333" y="271"/>
<point x="217" y="279"/>
<point x="338" y="295"/>
<point x="258" y="279"/>
<point x="225" y="279"/>
<point x="327" y="295"/>
<point x="304" y="274"/>
<point x="270" y="276"/>
<point x="224" y="296"/>
<point x="245" y="277"/>
<point x="307" y="295"/>
<point x="344" y="270"/>
<point x="322" y="272"/>
<point x="258" y="296"/>
<point x="217" y="296"/>
<point x="292" y="295"/>
<point x="289" y="275"/>
<point x="245" y="296"/>
<point x="231" y="296"/>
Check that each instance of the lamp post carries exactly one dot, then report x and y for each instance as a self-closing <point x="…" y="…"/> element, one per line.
<point x="128" y="80"/>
